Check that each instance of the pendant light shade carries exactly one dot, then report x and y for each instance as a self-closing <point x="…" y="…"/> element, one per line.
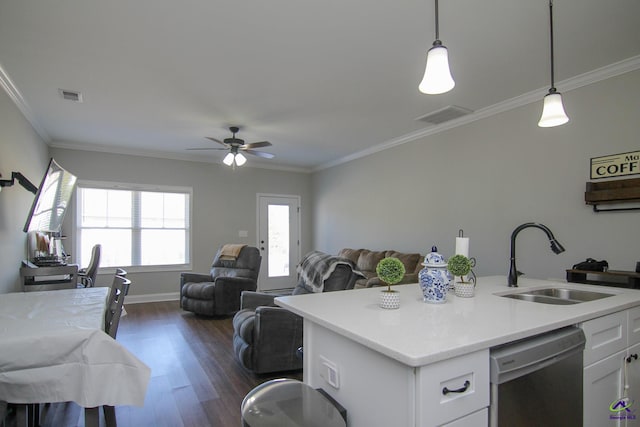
<point x="437" y="76"/>
<point x="552" y="111"/>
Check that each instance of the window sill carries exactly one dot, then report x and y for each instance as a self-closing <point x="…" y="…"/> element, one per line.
<point x="147" y="268"/>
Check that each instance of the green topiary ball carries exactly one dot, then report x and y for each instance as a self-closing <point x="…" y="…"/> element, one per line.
<point x="459" y="265"/>
<point x="390" y="270"/>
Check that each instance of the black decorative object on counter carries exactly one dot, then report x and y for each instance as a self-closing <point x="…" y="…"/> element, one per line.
<point x="592" y="265"/>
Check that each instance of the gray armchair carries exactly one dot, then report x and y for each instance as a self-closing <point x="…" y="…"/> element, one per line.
<point x="266" y="337"/>
<point x="218" y="293"/>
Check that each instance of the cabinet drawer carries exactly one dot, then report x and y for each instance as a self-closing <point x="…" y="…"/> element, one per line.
<point x="435" y="405"/>
<point x="477" y="419"/>
<point x="605" y="335"/>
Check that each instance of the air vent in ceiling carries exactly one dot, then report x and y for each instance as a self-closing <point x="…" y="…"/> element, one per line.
<point x="70" y="95"/>
<point x="445" y="114"/>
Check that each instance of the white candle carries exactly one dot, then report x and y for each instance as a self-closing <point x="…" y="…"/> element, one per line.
<point x="462" y="246"/>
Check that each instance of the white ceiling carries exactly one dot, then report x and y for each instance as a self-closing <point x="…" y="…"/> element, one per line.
<point x="321" y="80"/>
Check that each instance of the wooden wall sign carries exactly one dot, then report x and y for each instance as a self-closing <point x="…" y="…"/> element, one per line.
<point x="615" y="165"/>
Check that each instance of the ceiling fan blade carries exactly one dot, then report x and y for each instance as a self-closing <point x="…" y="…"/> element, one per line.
<point x="211" y="148"/>
<point x="257" y="144"/>
<point x="260" y="154"/>
<point x="216" y="140"/>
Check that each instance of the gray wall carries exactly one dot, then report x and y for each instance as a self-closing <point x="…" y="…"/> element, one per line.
<point x="487" y="177"/>
<point x="22" y="150"/>
<point x="224" y="202"/>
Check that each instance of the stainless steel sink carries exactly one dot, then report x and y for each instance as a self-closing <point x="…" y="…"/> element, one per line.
<point x="558" y="296"/>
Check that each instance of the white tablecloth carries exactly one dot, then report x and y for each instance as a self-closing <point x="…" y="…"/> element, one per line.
<point x="53" y="349"/>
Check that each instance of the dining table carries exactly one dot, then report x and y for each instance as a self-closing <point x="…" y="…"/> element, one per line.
<point x="53" y="348"/>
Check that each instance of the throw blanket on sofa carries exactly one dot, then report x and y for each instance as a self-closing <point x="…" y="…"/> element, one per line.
<point x="317" y="266"/>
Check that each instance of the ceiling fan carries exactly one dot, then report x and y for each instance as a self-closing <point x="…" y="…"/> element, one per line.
<point x="236" y="146"/>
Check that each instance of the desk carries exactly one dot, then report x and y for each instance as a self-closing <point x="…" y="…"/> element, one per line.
<point x="48" y="278"/>
<point x="54" y="349"/>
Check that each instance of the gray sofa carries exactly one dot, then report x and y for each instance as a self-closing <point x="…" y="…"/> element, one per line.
<point x="366" y="261"/>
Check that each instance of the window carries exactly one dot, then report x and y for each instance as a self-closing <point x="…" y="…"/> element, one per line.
<point x="137" y="226"/>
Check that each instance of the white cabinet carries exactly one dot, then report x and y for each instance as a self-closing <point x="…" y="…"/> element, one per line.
<point x="379" y="391"/>
<point x="605" y="335"/>
<point x="603" y="382"/>
<point x="611" y="361"/>
<point x="451" y="388"/>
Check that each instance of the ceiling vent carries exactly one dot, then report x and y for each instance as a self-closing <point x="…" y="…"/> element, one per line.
<point x="445" y="114"/>
<point x="70" y="95"/>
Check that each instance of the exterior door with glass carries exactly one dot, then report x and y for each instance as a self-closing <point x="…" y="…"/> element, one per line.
<point x="278" y="240"/>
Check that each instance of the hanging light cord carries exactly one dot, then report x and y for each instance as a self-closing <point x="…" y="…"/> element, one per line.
<point x="437" y="25"/>
<point x="553" y="86"/>
<point x="437" y="42"/>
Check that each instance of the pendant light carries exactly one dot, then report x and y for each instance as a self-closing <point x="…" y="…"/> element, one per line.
<point x="552" y="111"/>
<point x="437" y="77"/>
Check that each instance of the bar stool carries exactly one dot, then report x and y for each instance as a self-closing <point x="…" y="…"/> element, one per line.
<point x="290" y="403"/>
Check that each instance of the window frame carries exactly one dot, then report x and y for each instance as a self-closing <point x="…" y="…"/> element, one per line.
<point x="108" y="185"/>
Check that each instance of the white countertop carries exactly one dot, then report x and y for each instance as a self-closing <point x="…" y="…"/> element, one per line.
<point x="420" y="333"/>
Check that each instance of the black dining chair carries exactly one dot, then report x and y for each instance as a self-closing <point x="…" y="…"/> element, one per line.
<point x="119" y="289"/>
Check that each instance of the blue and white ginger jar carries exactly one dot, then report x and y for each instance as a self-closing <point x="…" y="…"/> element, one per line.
<point x="434" y="278"/>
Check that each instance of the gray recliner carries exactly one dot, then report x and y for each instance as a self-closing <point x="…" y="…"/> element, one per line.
<point x="266" y="338"/>
<point x="218" y="293"/>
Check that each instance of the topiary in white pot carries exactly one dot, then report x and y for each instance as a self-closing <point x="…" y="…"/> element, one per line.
<point x="460" y="266"/>
<point x="391" y="271"/>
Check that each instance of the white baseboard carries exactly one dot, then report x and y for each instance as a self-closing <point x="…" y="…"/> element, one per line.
<point x="137" y="299"/>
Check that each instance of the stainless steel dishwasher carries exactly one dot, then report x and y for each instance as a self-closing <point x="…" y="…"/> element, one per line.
<point x="537" y="381"/>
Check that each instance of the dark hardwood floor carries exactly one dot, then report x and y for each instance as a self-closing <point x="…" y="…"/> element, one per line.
<point x="195" y="380"/>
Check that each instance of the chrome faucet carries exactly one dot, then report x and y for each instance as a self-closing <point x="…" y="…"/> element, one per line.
<point x="556" y="247"/>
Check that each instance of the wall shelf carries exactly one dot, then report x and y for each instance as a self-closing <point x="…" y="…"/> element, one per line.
<point x="618" y="278"/>
<point x="613" y="192"/>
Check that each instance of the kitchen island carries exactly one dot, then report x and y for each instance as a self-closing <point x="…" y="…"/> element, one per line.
<point x="389" y="367"/>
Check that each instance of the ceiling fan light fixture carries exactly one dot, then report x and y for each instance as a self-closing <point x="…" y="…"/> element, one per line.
<point x="240" y="159"/>
<point x="234" y="157"/>
<point x="437" y="75"/>
<point x="228" y="159"/>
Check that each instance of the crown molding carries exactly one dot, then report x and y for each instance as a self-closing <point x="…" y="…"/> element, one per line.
<point x="588" y="78"/>
<point x="22" y="105"/>
<point x="156" y="154"/>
